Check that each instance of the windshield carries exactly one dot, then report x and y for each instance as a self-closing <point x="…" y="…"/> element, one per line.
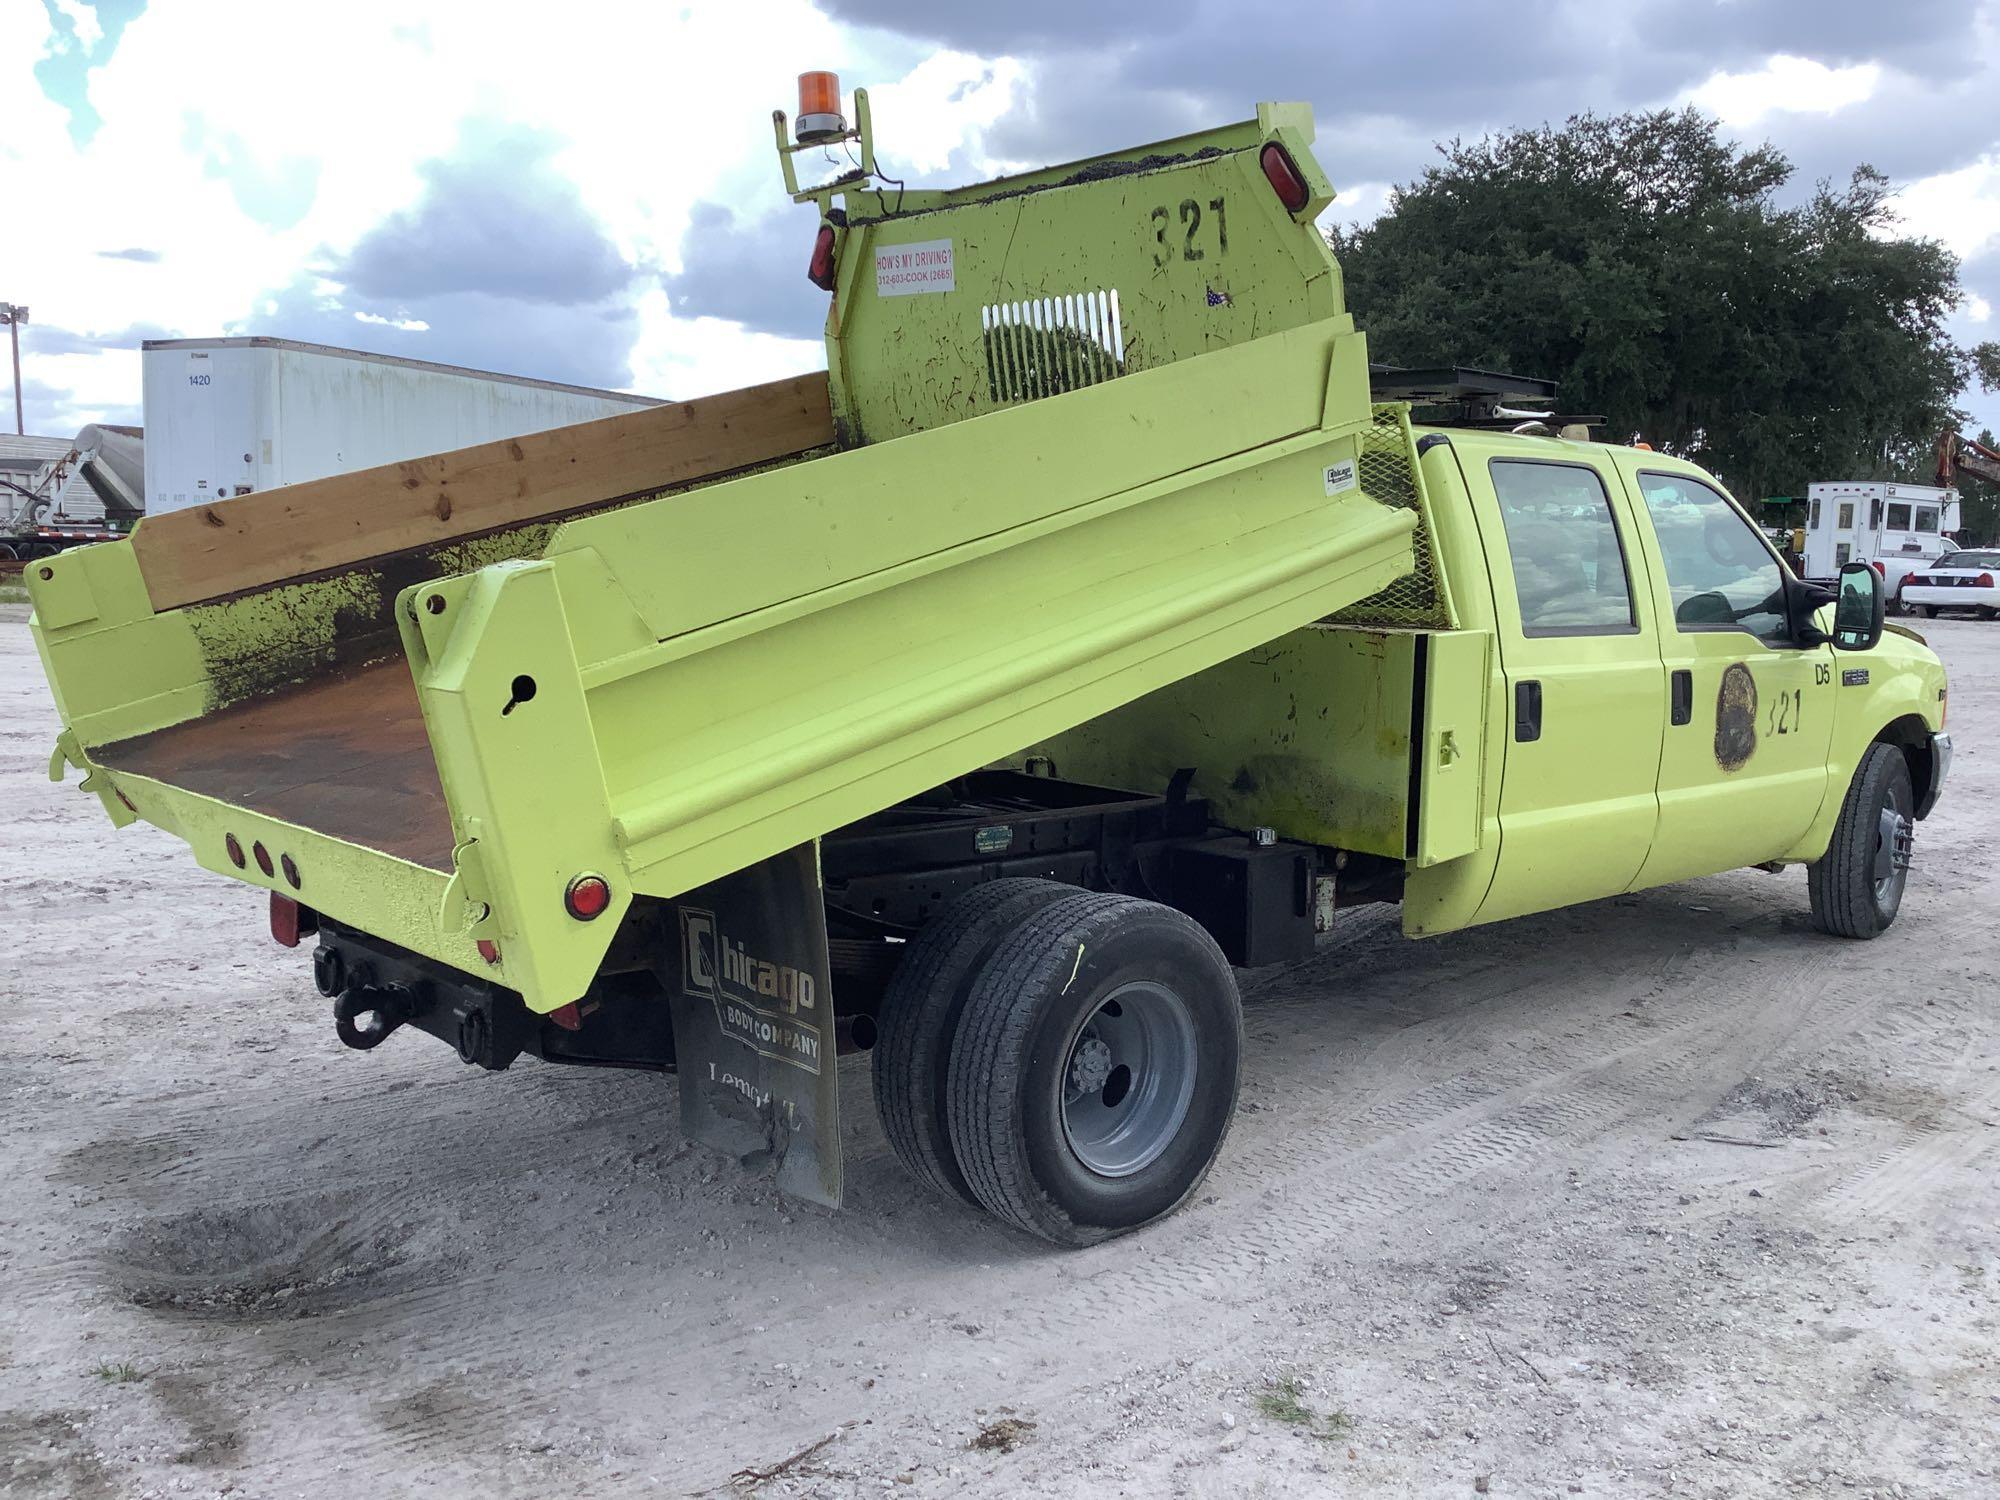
<point x="1970" y="560"/>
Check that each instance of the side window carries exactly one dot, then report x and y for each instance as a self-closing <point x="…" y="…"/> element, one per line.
<point x="1875" y="513"/>
<point x="1847" y="515"/>
<point x="1813" y="524"/>
<point x="1927" y="519"/>
<point x="1569" y="566"/>
<point x="1842" y="555"/>
<point x="1899" y="516"/>
<point x="1719" y="574"/>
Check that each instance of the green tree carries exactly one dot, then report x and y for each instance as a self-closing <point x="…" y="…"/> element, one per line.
<point x="1979" y="498"/>
<point x="1646" y="263"/>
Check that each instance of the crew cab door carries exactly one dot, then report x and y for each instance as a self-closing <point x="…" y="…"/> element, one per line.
<point x="1743" y="771"/>
<point x="1584" y="684"/>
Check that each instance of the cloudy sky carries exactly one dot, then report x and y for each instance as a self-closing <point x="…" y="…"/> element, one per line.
<point x="586" y="192"/>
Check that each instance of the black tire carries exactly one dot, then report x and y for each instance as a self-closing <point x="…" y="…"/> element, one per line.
<point x="7" y="552"/>
<point x="919" y="1014"/>
<point x="1988" y="612"/>
<point x="1922" y="611"/>
<point x="1021" y="1043"/>
<point x="1857" y="885"/>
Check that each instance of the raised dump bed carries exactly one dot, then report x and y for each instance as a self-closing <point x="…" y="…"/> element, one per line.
<point x="491" y="718"/>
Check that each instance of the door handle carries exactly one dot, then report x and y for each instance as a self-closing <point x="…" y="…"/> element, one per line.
<point x="1527" y="711"/>
<point x="1682" y="697"/>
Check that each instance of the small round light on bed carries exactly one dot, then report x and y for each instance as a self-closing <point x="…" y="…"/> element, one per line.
<point x="587" y="897"/>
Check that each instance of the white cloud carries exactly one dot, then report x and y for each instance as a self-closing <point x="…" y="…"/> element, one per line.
<point x="1962" y="208"/>
<point x="1785" y="85"/>
<point x="88" y="30"/>
<point x="408" y="325"/>
<point x="944" y="104"/>
<point x="684" y="357"/>
<point x="248" y="143"/>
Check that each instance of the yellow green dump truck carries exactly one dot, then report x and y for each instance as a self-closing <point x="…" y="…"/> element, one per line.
<point x="1087" y="631"/>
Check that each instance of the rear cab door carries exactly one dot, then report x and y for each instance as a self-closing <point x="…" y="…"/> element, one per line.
<point x="1586" y="690"/>
<point x="1743" y="769"/>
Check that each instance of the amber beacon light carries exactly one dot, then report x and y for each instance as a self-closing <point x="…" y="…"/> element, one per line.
<point x="819" y="108"/>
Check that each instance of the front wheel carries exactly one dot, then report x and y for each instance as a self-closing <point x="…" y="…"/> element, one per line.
<point x="1857" y="885"/>
<point x="1095" y="1069"/>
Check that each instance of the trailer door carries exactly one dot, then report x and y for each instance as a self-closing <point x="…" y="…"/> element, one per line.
<point x="1586" y="690"/>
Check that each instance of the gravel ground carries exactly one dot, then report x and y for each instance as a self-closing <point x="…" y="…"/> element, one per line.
<point x="1663" y="1195"/>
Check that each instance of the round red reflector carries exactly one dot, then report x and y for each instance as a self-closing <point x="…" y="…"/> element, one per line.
<point x="820" y="271"/>
<point x="291" y="868"/>
<point x="1283" y="174"/>
<point x="587" y="897"/>
<point x="263" y="858"/>
<point x="235" y="848"/>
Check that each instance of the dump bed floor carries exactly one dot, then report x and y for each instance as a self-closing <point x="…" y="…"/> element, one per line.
<point x="345" y="756"/>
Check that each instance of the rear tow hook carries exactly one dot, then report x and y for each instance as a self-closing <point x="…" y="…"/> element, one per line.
<point x="384" y="1010"/>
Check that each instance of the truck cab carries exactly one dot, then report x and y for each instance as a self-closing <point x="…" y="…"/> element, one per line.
<point x="1600" y="678"/>
<point x="1673" y="702"/>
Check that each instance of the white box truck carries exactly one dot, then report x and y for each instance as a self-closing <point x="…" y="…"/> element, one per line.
<point x="1897" y="527"/>
<point x="230" y="416"/>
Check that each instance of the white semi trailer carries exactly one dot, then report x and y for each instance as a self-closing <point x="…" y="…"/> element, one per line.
<point x="230" y="416"/>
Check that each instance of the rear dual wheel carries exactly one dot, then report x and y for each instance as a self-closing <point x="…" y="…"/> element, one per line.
<point x="1092" y="1068"/>
<point x="918" y="1018"/>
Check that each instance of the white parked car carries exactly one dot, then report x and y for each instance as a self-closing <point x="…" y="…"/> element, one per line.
<point x="1968" y="579"/>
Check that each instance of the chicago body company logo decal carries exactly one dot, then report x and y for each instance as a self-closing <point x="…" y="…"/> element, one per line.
<point x="770" y="1007"/>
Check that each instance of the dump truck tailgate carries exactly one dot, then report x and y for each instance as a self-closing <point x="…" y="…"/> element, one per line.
<point x="668" y="692"/>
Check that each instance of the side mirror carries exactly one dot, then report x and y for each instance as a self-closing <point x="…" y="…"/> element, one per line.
<point x="1857" y="613"/>
<point x="1804" y="601"/>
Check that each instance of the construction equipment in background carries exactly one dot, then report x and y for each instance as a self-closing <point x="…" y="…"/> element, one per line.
<point x="1956" y="454"/>
<point x="104" y="468"/>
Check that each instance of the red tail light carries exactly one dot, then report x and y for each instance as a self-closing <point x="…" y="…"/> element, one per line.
<point x="1283" y="174"/>
<point x="1881" y="571"/>
<point x="821" y="271"/>
<point x="587" y="897"/>
<point x="1986" y="580"/>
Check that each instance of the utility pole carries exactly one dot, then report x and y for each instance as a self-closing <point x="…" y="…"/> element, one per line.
<point x="14" y="317"/>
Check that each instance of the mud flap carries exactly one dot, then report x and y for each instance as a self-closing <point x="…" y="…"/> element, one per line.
<point x="752" y="1001"/>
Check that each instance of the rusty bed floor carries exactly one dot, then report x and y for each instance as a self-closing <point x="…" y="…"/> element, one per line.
<point x="345" y="756"/>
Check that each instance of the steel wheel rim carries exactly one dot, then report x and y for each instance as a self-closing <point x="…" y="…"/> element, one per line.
<point x="1895" y="837"/>
<point x="1128" y="1079"/>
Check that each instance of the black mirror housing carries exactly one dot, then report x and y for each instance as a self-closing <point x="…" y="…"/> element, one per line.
<point x="1804" y="600"/>
<point x="1858" y="611"/>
